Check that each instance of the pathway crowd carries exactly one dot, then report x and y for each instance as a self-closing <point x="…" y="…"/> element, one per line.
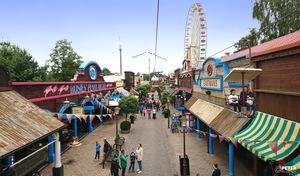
<point x="150" y="149"/>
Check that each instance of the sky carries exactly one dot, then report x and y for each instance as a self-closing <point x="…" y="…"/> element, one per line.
<point x="97" y="28"/>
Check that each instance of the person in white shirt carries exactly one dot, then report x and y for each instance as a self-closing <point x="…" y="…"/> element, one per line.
<point x="233" y="100"/>
<point x="139" y="152"/>
<point x="154" y="113"/>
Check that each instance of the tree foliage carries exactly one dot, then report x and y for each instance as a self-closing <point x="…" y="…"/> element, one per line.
<point x="253" y="38"/>
<point x="146" y="77"/>
<point x="107" y="72"/>
<point x="142" y="90"/>
<point x="20" y="63"/>
<point x="63" y="62"/>
<point x="277" y="17"/>
<point x="128" y="104"/>
<point x="165" y="96"/>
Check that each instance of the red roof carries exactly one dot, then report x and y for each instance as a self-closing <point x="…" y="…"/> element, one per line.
<point x="281" y="43"/>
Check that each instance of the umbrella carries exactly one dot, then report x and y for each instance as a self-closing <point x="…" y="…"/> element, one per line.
<point x="238" y="74"/>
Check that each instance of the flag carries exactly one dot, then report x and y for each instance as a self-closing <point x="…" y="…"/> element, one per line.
<point x="91" y="119"/>
<point x="213" y="135"/>
<point x="69" y="117"/>
<point x="221" y="138"/>
<point x="283" y="143"/>
<point x="274" y="147"/>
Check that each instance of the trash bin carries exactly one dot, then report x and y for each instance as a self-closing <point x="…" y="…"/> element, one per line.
<point x="132" y="119"/>
<point x="187" y="167"/>
<point x="166" y="113"/>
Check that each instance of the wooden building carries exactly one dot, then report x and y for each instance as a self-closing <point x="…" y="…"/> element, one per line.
<point x="277" y="95"/>
<point x="129" y="80"/>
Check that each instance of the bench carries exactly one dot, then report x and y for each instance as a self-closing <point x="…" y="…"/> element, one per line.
<point x="119" y="141"/>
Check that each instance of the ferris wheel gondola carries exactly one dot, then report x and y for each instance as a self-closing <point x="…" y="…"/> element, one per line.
<point x="195" y="42"/>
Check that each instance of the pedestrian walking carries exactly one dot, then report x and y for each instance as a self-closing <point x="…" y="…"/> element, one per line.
<point x="106" y="148"/>
<point x="158" y="105"/>
<point x="133" y="157"/>
<point x="114" y="167"/>
<point x="154" y="113"/>
<point x="144" y="111"/>
<point x="98" y="147"/>
<point x="123" y="160"/>
<point x="139" y="152"/>
<point x="149" y="113"/>
<point x="141" y="110"/>
<point x="216" y="171"/>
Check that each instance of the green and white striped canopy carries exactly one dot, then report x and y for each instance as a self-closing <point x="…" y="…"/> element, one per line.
<point x="270" y="137"/>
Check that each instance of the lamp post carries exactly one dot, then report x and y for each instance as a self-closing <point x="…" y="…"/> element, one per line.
<point x="66" y="101"/>
<point x="168" y="103"/>
<point x="117" y="110"/>
<point x="183" y="120"/>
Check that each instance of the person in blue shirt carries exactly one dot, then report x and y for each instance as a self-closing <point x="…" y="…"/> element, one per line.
<point x="141" y="110"/>
<point x="249" y="100"/>
<point x="98" y="147"/>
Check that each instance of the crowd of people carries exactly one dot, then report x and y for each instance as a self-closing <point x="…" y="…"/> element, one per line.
<point x="119" y="162"/>
<point x="150" y="107"/>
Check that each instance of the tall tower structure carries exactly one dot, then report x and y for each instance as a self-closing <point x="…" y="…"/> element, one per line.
<point x="120" y="49"/>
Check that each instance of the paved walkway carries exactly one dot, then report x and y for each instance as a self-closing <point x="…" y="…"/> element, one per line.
<point x="161" y="151"/>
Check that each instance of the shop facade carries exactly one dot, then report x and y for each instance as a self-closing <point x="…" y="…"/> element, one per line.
<point x="278" y="59"/>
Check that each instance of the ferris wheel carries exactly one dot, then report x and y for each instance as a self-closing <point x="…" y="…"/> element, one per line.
<point x="195" y="36"/>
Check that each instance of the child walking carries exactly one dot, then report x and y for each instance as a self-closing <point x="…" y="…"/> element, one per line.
<point x="132" y="159"/>
<point x="98" y="147"/>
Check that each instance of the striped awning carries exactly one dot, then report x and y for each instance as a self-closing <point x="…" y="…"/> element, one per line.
<point x="293" y="166"/>
<point x="270" y="137"/>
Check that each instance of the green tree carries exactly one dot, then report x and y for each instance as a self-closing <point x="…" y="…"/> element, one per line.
<point x="63" y="62"/>
<point x="146" y="77"/>
<point x="20" y="63"/>
<point x="129" y="105"/>
<point x="160" y="89"/>
<point x="106" y="72"/>
<point x="253" y="37"/>
<point x="277" y="17"/>
<point x="143" y="90"/>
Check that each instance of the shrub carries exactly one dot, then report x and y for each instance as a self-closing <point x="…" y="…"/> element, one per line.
<point x="125" y="125"/>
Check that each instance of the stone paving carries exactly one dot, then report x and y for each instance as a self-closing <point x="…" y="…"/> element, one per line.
<point x="161" y="151"/>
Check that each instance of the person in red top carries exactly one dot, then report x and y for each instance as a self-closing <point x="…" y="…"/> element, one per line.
<point x="158" y="105"/>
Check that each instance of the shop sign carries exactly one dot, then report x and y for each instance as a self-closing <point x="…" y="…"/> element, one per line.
<point x="76" y="88"/>
<point x="212" y="83"/>
<point x="77" y="110"/>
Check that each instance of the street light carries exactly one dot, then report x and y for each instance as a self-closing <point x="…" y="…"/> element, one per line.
<point x="183" y="120"/>
<point x="168" y="111"/>
<point x="87" y="98"/>
<point x="117" y="110"/>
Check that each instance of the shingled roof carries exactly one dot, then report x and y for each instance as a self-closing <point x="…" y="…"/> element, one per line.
<point x="281" y="43"/>
<point x="22" y="122"/>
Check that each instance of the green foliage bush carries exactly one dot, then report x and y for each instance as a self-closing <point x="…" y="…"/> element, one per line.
<point x="125" y="125"/>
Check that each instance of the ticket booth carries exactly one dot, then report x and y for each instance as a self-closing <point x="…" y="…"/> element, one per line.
<point x="190" y="122"/>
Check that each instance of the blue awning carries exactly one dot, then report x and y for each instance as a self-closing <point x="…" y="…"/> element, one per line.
<point x="181" y="108"/>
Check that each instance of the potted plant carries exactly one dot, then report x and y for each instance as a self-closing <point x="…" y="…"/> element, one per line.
<point x="125" y="126"/>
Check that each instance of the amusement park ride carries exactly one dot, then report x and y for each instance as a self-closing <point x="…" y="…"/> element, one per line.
<point x="195" y="40"/>
<point x="155" y="79"/>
